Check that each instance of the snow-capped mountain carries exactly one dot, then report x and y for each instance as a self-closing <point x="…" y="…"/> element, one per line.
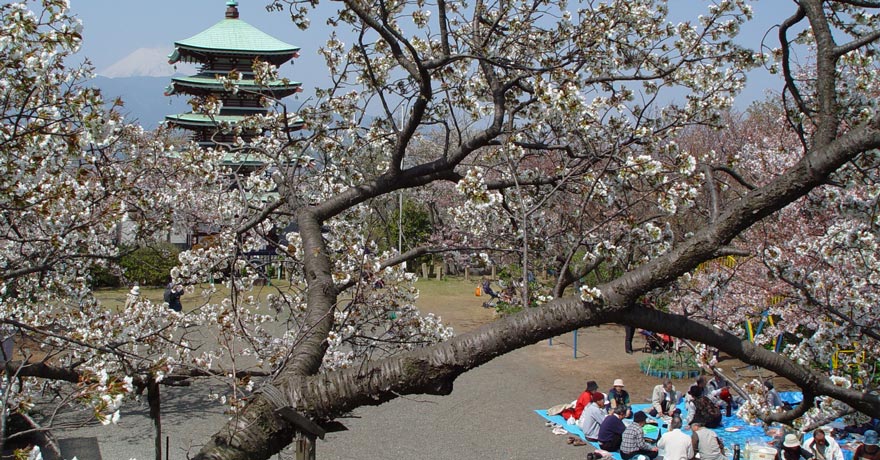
<point x="146" y="62"/>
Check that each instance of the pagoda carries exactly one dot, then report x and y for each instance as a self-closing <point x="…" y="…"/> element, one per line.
<point x="229" y="47"/>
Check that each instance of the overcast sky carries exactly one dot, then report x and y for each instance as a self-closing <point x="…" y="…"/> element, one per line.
<point x="115" y="29"/>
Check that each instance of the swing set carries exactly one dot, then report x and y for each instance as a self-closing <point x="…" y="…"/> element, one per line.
<point x="755" y="330"/>
<point x="836" y="362"/>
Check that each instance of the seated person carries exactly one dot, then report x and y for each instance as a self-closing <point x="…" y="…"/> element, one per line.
<point x="593" y="416"/>
<point x="487" y="288"/>
<point x="708" y="411"/>
<point x="633" y="440"/>
<point x="619" y="397"/>
<point x="868" y="450"/>
<point x="773" y="397"/>
<point x="582" y="402"/>
<point x="792" y="450"/>
<point x="699" y="407"/>
<point x="706" y="443"/>
<point x="663" y="399"/>
<point x="719" y="391"/>
<point x="676" y="445"/>
<point x="611" y="431"/>
<point x="823" y="446"/>
<point x="690" y="399"/>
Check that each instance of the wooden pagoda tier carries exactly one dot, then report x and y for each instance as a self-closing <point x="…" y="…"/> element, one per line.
<point x="231" y="44"/>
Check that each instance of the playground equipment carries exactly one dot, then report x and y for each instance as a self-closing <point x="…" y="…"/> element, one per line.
<point x="852" y="365"/>
<point x="574" y="346"/>
<point x="755" y="330"/>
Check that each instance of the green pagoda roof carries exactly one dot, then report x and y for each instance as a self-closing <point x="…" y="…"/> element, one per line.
<point x="233" y="36"/>
<point x="209" y="83"/>
<point x="204" y="121"/>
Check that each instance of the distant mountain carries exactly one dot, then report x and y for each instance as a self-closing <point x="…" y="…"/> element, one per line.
<point x="143" y="98"/>
<point x="146" y="62"/>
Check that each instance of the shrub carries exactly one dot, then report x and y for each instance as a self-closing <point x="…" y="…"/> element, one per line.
<point x="671" y="365"/>
<point x="150" y="265"/>
<point x="505" y="308"/>
<point x="104" y="277"/>
<point x="147" y="266"/>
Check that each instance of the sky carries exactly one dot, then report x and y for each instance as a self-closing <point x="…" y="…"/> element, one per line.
<point x="115" y="29"/>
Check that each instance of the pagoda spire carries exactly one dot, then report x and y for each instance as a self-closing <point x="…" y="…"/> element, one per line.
<point x="232" y="9"/>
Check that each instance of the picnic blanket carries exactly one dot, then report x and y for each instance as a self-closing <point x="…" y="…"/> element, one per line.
<point x="558" y="420"/>
<point x="733" y="429"/>
<point x="573" y="429"/>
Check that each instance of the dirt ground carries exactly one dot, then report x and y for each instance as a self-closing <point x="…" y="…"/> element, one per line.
<point x="600" y="354"/>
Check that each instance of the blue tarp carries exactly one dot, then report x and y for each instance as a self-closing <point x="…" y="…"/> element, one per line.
<point x="733" y="430"/>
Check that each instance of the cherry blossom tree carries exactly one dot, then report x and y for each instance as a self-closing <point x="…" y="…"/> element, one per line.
<point x="809" y="268"/>
<point x="552" y="130"/>
<point x="502" y="89"/>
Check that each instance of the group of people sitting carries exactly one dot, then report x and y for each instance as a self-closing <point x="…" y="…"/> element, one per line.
<point x="704" y="401"/>
<point x="600" y="417"/>
<point x="602" y="423"/>
<point x="823" y="446"/>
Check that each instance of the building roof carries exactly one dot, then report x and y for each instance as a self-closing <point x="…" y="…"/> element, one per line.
<point x="200" y="120"/>
<point x="233" y="36"/>
<point x="279" y="88"/>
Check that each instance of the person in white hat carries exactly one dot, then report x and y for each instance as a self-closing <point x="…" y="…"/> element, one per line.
<point x="792" y="450"/>
<point x="131" y="299"/>
<point x="619" y="397"/>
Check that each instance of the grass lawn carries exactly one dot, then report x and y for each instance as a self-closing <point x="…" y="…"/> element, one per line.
<point x="115" y="298"/>
<point x="434" y="293"/>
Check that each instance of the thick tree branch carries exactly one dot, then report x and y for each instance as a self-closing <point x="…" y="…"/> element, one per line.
<point x="808" y="380"/>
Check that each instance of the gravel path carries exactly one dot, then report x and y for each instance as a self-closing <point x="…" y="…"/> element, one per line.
<point x="489" y="415"/>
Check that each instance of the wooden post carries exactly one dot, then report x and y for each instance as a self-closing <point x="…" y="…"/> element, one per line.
<point x="305" y="448"/>
<point x="467" y="274"/>
<point x="438" y="270"/>
<point x="155" y="404"/>
<point x="424" y="270"/>
<point x="307" y="432"/>
<point x="493" y="273"/>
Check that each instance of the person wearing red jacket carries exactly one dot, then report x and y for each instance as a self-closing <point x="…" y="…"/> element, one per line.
<point x="583" y="401"/>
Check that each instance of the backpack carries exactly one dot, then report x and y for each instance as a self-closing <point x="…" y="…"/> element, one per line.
<point x="166" y="296"/>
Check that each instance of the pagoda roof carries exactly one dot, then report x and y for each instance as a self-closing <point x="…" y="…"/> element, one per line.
<point x="200" y="120"/>
<point x="213" y="84"/>
<point x="233" y="36"/>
